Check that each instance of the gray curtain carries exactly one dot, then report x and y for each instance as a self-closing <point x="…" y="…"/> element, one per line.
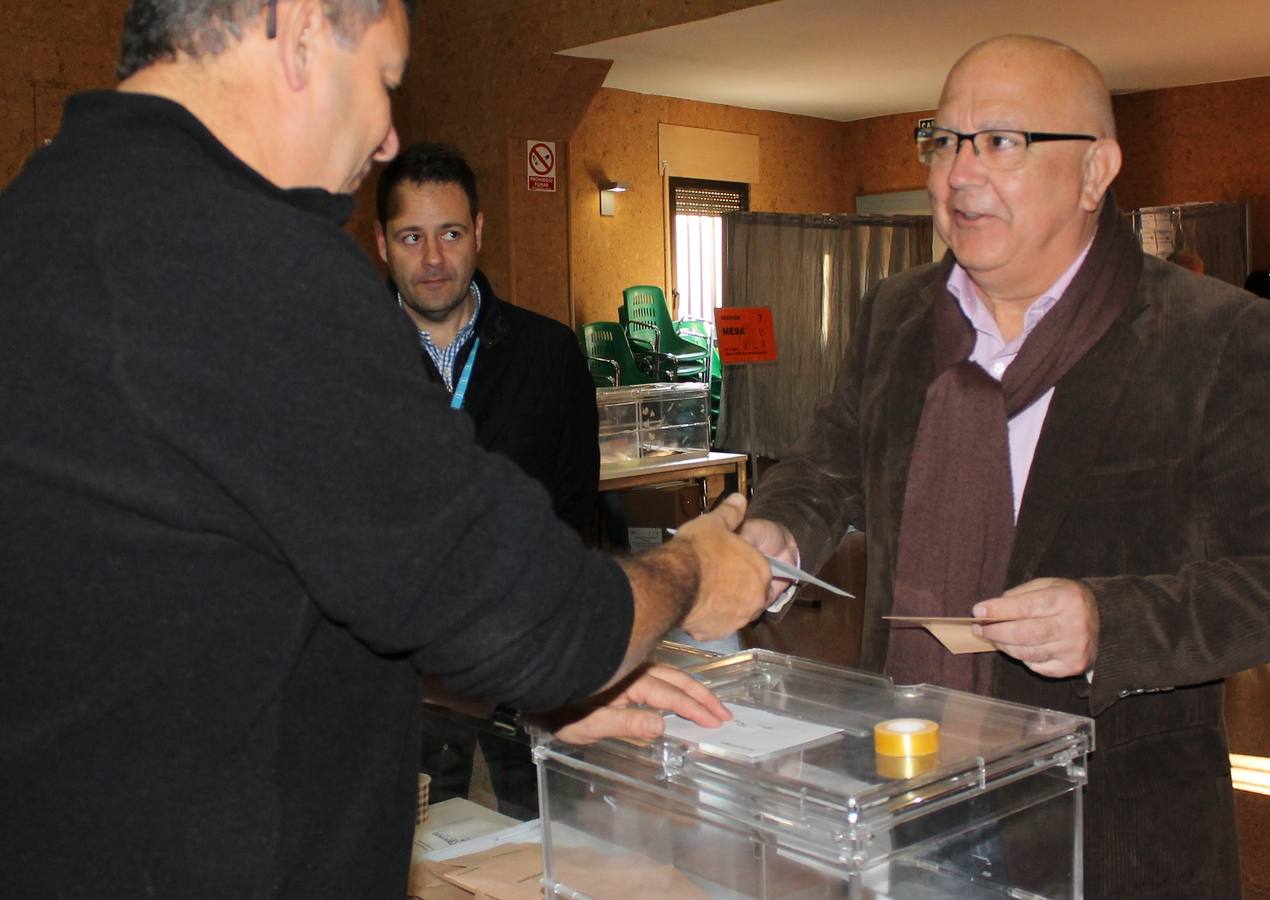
<point x="1216" y="232"/>
<point x="812" y="271"/>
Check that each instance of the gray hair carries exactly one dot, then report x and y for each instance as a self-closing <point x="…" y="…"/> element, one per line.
<point x="155" y="30"/>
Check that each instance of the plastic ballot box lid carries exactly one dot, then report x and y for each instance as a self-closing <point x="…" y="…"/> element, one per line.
<point x="827" y="779"/>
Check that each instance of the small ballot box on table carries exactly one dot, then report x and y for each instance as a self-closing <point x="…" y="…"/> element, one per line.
<point x="828" y="783"/>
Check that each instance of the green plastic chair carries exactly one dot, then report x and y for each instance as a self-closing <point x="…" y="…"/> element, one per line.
<point x="698" y="332"/>
<point x="650" y="330"/>
<point x="609" y="353"/>
<point x="604" y="372"/>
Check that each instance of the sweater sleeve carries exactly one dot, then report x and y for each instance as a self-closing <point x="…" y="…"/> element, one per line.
<point x="309" y="432"/>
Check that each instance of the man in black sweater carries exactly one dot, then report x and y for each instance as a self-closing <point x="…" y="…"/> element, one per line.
<point x="238" y="519"/>
<point x="520" y="377"/>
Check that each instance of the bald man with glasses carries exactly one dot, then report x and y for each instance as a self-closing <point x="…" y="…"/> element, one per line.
<point x="1053" y="431"/>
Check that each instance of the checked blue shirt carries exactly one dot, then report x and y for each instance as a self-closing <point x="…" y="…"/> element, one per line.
<point x="444" y="358"/>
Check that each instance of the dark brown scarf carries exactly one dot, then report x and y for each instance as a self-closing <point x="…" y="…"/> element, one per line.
<point x="957" y="528"/>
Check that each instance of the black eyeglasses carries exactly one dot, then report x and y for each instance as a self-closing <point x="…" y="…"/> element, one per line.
<point x="996" y="148"/>
<point x="271" y="19"/>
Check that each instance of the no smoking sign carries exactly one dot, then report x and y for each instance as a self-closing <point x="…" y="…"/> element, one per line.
<point x="541" y="165"/>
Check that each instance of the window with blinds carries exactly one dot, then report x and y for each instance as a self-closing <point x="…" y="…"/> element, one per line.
<point x="696" y="209"/>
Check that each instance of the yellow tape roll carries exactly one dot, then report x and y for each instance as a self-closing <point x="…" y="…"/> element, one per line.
<point x="904" y="767"/>
<point x="906" y="737"/>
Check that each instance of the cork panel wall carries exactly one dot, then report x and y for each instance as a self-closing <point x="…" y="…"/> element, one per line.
<point x="17" y="128"/>
<point x="540" y="257"/>
<point x="50" y="49"/>
<point x="476" y="80"/>
<point x="617" y="141"/>
<point x="880" y="156"/>
<point x="1175" y="144"/>
<point x="800" y="170"/>
<point x="484" y="78"/>
<point x="1198" y="143"/>
<point x="539" y="219"/>
<point x="466" y="59"/>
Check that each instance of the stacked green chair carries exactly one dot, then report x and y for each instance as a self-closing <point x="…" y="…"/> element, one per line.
<point x="698" y="332"/>
<point x="604" y="372"/>
<point x="609" y="356"/>
<point x="651" y="333"/>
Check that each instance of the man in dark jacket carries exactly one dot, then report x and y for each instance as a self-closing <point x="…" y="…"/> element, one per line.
<point x="529" y="393"/>
<point x="1051" y="431"/>
<point x="520" y="377"/>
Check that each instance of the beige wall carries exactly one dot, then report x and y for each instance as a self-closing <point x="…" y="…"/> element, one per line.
<point x="484" y="76"/>
<point x="880" y="155"/>
<point x="1199" y="143"/>
<point x="1180" y="145"/>
<point x="50" y="49"/>
<point x="800" y="170"/>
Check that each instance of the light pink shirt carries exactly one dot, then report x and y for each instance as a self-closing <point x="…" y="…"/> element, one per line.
<point x="994" y="355"/>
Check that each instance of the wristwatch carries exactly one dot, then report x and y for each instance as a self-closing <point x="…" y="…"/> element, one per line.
<point x="506" y="718"/>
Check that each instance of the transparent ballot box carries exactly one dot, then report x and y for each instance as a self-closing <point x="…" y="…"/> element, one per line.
<point x="476" y="822"/>
<point x="653" y="421"/>
<point x="472" y="761"/>
<point x="832" y="783"/>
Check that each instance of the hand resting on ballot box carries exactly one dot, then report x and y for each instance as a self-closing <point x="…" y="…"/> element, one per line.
<point x="618" y="714"/>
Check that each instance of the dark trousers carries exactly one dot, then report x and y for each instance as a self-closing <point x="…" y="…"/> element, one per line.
<point x="449" y="746"/>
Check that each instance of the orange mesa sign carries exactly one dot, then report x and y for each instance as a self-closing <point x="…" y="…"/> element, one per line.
<point x="745" y="334"/>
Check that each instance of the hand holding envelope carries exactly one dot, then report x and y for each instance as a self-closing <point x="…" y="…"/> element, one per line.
<point x="1048" y="624"/>
<point x="954" y="632"/>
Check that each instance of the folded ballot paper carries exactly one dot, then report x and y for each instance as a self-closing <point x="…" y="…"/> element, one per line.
<point x="951" y="631"/>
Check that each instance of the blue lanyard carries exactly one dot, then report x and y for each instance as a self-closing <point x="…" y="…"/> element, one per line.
<point x="460" y="389"/>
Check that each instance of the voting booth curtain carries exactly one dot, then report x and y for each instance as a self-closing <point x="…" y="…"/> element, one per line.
<point x="1215" y="232"/>
<point x="812" y="271"/>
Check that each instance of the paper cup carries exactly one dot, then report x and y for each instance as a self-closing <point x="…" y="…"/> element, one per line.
<point x="421" y="812"/>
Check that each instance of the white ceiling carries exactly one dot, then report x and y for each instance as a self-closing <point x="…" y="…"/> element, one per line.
<point x="853" y="59"/>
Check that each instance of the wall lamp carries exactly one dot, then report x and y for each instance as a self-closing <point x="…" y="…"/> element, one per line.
<point x="608" y="206"/>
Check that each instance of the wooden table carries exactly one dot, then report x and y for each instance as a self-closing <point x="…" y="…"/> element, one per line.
<point x="713" y="469"/>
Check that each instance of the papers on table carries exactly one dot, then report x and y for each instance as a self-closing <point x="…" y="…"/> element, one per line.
<point x="456" y="821"/>
<point x="751" y="733"/>
<point x="514" y="872"/>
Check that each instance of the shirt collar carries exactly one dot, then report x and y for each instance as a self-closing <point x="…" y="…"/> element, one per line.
<point x="962" y="288"/>
<point x="468" y="327"/>
<point x="444" y="359"/>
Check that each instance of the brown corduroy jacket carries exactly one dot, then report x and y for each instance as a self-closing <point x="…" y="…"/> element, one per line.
<point x="1150" y="483"/>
